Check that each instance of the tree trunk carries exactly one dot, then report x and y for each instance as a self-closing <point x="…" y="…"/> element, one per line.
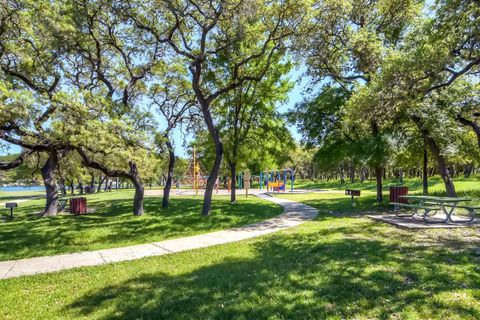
<point x="207" y="198"/>
<point x="475" y="127"/>
<point x="342" y="176"/>
<point x="400" y="175"/>
<point x="379" y="175"/>
<point x="139" y="189"/>
<point x="425" y="172"/>
<point x="48" y="174"/>
<point x="362" y="174"/>
<point x="442" y="167"/>
<point x="441" y="161"/>
<point x="233" y="189"/>
<point x="107" y="183"/>
<point x="71" y="185"/>
<point x="92" y="183"/>
<point x="63" y="187"/>
<point x="168" y="183"/>
<point x="100" y="183"/>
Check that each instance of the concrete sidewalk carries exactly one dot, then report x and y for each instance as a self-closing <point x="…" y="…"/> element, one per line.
<point x="294" y="214"/>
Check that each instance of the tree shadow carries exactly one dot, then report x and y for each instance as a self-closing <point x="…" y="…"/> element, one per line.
<point x="297" y="276"/>
<point x="113" y="224"/>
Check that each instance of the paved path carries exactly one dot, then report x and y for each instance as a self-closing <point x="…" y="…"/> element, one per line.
<point x="294" y="214"/>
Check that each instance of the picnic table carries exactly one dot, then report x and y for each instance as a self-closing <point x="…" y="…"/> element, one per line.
<point x="431" y="205"/>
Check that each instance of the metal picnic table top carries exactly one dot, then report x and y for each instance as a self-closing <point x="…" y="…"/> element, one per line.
<point x="437" y="199"/>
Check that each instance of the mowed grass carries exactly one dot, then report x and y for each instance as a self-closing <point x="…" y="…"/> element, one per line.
<point x="340" y="266"/>
<point x="435" y="183"/>
<point x="6" y="196"/>
<point x="335" y="268"/>
<point x="113" y="223"/>
<point x="335" y="201"/>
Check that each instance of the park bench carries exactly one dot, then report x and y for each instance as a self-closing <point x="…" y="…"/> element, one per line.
<point x="62" y="203"/>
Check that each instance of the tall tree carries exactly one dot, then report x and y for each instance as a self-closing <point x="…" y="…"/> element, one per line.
<point x="201" y="32"/>
<point x="247" y="117"/>
<point x="346" y="43"/>
<point x="173" y="101"/>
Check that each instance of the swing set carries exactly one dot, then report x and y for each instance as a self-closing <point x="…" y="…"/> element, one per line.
<point x="276" y="180"/>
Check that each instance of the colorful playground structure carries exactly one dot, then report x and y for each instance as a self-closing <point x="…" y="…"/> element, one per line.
<point x="276" y="180"/>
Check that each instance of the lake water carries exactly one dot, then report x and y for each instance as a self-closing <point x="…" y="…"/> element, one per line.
<point x="31" y="188"/>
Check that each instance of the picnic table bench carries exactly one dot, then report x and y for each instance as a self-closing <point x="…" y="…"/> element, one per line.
<point x="62" y="203"/>
<point x="431" y="205"/>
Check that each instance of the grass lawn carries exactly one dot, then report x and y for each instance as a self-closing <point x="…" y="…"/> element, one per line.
<point x="340" y="266"/>
<point x="338" y="202"/>
<point x="435" y="184"/>
<point x="113" y="224"/>
<point x="19" y="195"/>
<point x="334" y="267"/>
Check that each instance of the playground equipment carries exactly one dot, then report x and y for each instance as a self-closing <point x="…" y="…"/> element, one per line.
<point x="276" y="180"/>
<point x="194" y="177"/>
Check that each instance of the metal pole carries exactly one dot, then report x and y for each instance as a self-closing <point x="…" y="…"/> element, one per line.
<point x="261" y="180"/>
<point x="195" y="172"/>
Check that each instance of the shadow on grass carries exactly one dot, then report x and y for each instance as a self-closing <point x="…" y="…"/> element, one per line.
<point x="113" y="224"/>
<point x="414" y="184"/>
<point x="300" y="276"/>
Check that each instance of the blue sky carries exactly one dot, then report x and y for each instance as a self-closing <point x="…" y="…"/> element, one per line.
<point x="295" y="96"/>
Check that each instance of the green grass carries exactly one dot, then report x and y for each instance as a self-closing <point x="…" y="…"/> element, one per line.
<point x="336" y="268"/>
<point x="18" y="195"/>
<point x="435" y="184"/>
<point x="335" y="201"/>
<point x="340" y="266"/>
<point x="113" y="223"/>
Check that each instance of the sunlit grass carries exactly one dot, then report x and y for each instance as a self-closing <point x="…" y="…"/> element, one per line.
<point x="113" y="223"/>
<point x="436" y="184"/>
<point x="338" y="268"/>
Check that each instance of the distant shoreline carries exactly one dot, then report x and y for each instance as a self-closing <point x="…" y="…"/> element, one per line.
<point x="22" y="188"/>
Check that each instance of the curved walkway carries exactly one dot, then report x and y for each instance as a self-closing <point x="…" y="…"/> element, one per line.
<point x="294" y="214"/>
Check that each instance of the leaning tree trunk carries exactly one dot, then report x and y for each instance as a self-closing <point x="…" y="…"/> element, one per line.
<point x="71" y="185"/>
<point x="425" y="172"/>
<point x="379" y="176"/>
<point x="100" y="183"/>
<point x="442" y="167"/>
<point x="233" y="188"/>
<point x="207" y="198"/>
<point x="48" y="174"/>
<point x="107" y="184"/>
<point x="475" y="127"/>
<point x="139" y="189"/>
<point x="168" y="183"/>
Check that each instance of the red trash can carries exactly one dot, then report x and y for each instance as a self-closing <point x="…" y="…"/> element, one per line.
<point x="396" y="192"/>
<point x="78" y="205"/>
